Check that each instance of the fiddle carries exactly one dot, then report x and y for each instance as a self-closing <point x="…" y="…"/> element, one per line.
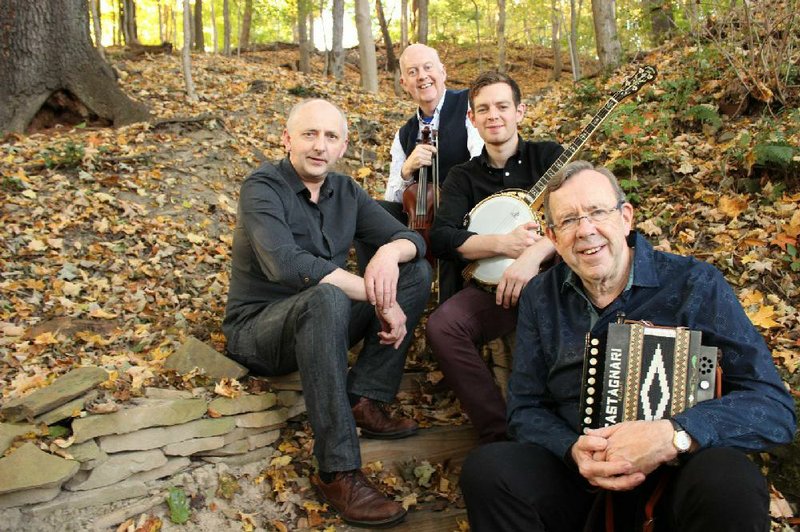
<point x="421" y="198"/>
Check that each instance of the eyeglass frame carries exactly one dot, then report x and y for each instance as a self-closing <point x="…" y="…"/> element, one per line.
<point x="577" y="219"/>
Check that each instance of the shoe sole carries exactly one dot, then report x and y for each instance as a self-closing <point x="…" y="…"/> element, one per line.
<point x="388" y="435"/>
<point x="386" y="523"/>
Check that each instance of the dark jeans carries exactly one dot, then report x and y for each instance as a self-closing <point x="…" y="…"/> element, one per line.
<point x="450" y="279"/>
<point x="455" y="331"/>
<point x="510" y="486"/>
<point x="311" y="332"/>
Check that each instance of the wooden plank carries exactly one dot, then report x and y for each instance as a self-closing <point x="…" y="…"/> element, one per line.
<point x="423" y="520"/>
<point x="435" y="444"/>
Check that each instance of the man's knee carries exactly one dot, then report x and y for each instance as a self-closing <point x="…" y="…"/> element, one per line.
<point x="328" y="304"/>
<point x="416" y="272"/>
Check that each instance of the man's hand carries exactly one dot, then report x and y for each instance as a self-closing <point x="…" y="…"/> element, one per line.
<point x="589" y="454"/>
<point x="380" y="278"/>
<point x="421" y="156"/>
<point x="516" y="276"/>
<point x="645" y="444"/>
<point x="393" y="321"/>
<point x="520" y="239"/>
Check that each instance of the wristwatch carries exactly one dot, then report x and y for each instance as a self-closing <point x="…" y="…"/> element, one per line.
<point x="680" y="438"/>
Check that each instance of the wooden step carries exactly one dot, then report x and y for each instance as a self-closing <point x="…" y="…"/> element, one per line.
<point x="423" y="520"/>
<point x="435" y="444"/>
<point x="410" y="383"/>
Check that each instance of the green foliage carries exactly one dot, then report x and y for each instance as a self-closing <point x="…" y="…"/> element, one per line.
<point x="178" y="503"/>
<point x="11" y="184"/>
<point x="705" y="113"/>
<point x="70" y="155"/>
<point x="779" y="154"/>
<point x="792" y="258"/>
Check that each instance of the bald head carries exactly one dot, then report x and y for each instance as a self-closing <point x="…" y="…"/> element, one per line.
<point x="423" y="75"/>
<point x="295" y="115"/>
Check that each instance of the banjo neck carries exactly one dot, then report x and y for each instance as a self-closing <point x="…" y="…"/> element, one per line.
<point x="633" y="84"/>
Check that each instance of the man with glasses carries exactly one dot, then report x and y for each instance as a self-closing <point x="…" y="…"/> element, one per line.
<point x="474" y="316"/>
<point x="548" y="477"/>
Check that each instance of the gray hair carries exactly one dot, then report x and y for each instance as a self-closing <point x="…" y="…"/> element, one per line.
<point x="569" y="170"/>
<point x="300" y="105"/>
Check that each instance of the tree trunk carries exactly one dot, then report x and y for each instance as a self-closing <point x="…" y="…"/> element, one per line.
<point x="609" y="50"/>
<point x="501" y="35"/>
<point x="98" y="30"/>
<point x="247" y="20"/>
<point x="574" y="19"/>
<point x="403" y="24"/>
<point x="129" y="22"/>
<point x="160" y="23"/>
<point x="47" y="52"/>
<point x="422" y="21"/>
<point x="226" y="27"/>
<point x="478" y="34"/>
<point x="199" y="39"/>
<point x="186" y="58"/>
<point x="302" y="32"/>
<point x="391" y="59"/>
<point x="337" y="52"/>
<point x="661" y="20"/>
<point x="214" y="37"/>
<point x="556" y="27"/>
<point x="366" y="47"/>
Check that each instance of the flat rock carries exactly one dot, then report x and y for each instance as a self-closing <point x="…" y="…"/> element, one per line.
<point x="288" y="398"/>
<point x="241" y="459"/>
<point x="64" y="389"/>
<point x="174" y="465"/>
<point x="195" y="445"/>
<point x="166" y="393"/>
<point x="30" y="467"/>
<point x="67" y="410"/>
<point x="31" y="496"/>
<point x="155" y="437"/>
<point x="148" y="413"/>
<point x="117" y="468"/>
<point x="88" y="453"/>
<point x="83" y="499"/>
<point x="229" y="406"/>
<point x="268" y="418"/>
<point x="10" y="431"/>
<point x="196" y="354"/>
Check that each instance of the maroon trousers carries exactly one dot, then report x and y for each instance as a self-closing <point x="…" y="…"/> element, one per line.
<point x="455" y="331"/>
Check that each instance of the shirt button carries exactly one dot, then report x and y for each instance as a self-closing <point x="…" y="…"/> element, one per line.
<point x="306" y="280"/>
<point x="508" y="174"/>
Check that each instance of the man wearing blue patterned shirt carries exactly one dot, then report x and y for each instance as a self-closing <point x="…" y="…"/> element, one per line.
<point x="548" y="477"/>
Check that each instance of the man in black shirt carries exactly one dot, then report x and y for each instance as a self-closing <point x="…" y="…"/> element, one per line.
<point x="474" y="316"/>
<point x="292" y="304"/>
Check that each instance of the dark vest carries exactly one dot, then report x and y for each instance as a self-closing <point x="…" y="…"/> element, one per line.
<point x="452" y="133"/>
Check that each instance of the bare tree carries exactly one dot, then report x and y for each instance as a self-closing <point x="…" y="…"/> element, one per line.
<point x="128" y="18"/>
<point x="48" y="60"/>
<point x="302" y="32"/>
<point x="574" y="19"/>
<point x="556" y="39"/>
<point x="214" y="37"/>
<point x="186" y="58"/>
<point x="403" y="24"/>
<point x="609" y="50"/>
<point x="392" y="64"/>
<point x="337" y="52"/>
<point x="199" y="37"/>
<point x="366" y="47"/>
<point x="247" y="18"/>
<point x="501" y="35"/>
<point x="98" y="29"/>
<point x="422" y="21"/>
<point x="478" y="33"/>
<point x="226" y="27"/>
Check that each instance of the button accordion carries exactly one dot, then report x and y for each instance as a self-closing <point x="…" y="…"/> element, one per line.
<point x="645" y="372"/>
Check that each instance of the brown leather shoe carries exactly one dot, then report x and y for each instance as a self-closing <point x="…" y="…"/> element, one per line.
<point x="374" y="422"/>
<point x="358" y="501"/>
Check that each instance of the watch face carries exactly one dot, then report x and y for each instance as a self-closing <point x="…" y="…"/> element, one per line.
<point x="682" y="441"/>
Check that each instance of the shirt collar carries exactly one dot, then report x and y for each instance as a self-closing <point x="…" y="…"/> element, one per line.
<point x="296" y="184"/>
<point x="522" y="147"/>
<point x="436" y="113"/>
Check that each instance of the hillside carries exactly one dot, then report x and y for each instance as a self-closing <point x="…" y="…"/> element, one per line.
<point x="115" y="243"/>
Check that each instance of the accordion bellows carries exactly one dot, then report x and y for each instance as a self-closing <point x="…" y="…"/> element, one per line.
<point x="644" y="372"/>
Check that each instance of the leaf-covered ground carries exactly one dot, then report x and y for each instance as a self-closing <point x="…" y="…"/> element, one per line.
<point x="115" y="243"/>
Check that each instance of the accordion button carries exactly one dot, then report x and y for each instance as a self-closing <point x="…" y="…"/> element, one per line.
<point x="705" y="385"/>
<point x="590" y="400"/>
<point x="593" y="361"/>
<point x="590" y="391"/>
<point x="592" y="371"/>
<point x="595" y="341"/>
<point x="594" y="351"/>
<point x="590" y="381"/>
<point x="587" y="420"/>
<point x="589" y="411"/>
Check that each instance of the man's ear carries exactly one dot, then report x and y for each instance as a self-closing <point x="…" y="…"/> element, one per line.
<point x="471" y="116"/>
<point x="344" y="148"/>
<point x="627" y="216"/>
<point x="549" y="233"/>
<point x="287" y="141"/>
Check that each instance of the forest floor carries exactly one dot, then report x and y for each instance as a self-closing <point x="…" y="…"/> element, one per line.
<point x="115" y="243"/>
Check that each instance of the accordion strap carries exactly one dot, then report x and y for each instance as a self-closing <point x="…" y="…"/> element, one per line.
<point x="648" y="522"/>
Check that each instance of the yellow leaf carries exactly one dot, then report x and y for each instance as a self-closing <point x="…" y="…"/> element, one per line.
<point x="102" y="314"/>
<point x="752" y="298"/>
<point x="763" y="317"/>
<point x="37" y="245"/>
<point x="47" y="338"/>
<point x="733" y="207"/>
<point x="281" y="461"/>
<point x="364" y="172"/>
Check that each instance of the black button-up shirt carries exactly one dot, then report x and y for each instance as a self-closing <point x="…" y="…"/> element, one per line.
<point x="471" y="182"/>
<point x="284" y="243"/>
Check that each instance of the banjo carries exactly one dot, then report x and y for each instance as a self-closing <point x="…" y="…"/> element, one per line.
<point x="504" y="211"/>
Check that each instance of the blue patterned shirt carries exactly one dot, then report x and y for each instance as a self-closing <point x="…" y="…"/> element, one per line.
<point x="755" y="410"/>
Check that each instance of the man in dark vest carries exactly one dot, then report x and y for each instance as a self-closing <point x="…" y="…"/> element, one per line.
<point x="423" y="77"/>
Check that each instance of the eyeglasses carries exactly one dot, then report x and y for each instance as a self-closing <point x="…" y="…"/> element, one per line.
<point x="567" y="225"/>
